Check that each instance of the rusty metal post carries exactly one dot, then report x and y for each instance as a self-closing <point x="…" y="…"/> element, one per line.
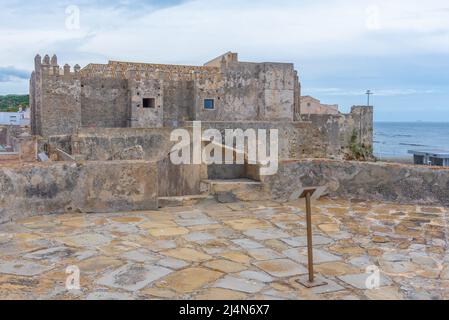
<point x="309" y="236"/>
<point x="309" y="281"/>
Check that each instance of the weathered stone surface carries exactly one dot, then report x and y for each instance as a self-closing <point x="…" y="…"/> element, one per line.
<point x="101" y="295"/>
<point x="168" y="232"/>
<point x="36" y="251"/>
<point x="236" y="257"/>
<point x="172" y="263"/>
<point x="158" y="293"/>
<point x="84" y="240"/>
<point x="199" y="236"/>
<point x="281" y="267"/>
<point x="335" y="269"/>
<point x="133" y="277"/>
<point x="359" y="280"/>
<point x="52" y="254"/>
<point x="265" y="234"/>
<point x="238" y="284"/>
<point x="189" y="280"/>
<point x="140" y="255"/>
<point x="319" y="256"/>
<point x="245" y="224"/>
<point x="384" y="293"/>
<point x="225" y="266"/>
<point x="302" y="241"/>
<point x="131" y="153"/>
<point x="126" y="219"/>
<point x="264" y="254"/>
<point x="22" y="268"/>
<point x="220" y="294"/>
<point x="256" y="275"/>
<point x="331" y="286"/>
<point x="248" y="244"/>
<point x="98" y="264"/>
<point x="187" y="254"/>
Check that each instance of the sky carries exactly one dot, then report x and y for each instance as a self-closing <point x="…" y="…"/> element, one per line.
<point x="399" y="49"/>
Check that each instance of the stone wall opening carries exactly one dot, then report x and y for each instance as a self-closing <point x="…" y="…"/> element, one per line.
<point x="149" y="103"/>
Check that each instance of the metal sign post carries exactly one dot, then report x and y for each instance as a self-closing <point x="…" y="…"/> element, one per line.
<point x="310" y="281"/>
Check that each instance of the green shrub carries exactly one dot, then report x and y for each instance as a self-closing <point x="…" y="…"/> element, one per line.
<point x="12" y="103"/>
<point x="358" y="151"/>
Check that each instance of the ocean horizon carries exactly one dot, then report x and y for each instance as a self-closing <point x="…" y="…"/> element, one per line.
<point x="394" y="139"/>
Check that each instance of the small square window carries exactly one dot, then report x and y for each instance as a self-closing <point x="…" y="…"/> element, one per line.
<point x="209" y="104"/>
<point x="149" y="103"/>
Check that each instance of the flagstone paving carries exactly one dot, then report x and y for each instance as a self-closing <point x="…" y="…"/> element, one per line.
<point x="243" y="250"/>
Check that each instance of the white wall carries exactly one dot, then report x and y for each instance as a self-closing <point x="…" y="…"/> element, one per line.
<point x="13" y="118"/>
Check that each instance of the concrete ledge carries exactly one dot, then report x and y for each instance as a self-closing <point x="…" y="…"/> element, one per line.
<point x="91" y="187"/>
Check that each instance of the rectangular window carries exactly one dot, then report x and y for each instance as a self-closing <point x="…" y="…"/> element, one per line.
<point x="209" y="104"/>
<point x="149" y="102"/>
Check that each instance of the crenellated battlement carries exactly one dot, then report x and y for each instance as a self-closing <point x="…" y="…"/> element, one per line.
<point x="49" y="67"/>
<point x="116" y="69"/>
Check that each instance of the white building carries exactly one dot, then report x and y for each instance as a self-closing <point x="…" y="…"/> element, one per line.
<point x="15" y="118"/>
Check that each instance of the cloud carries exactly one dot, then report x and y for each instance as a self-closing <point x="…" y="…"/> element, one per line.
<point x="359" y="92"/>
<point x="337" y="46"/>
<point x="8" y="74"/>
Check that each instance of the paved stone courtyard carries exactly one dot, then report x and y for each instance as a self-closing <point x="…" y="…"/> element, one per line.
<point x="250" y="250"/>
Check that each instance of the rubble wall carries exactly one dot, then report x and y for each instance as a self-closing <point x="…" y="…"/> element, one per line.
<point x="90" y="187"/>
<point x="362" y="180"/>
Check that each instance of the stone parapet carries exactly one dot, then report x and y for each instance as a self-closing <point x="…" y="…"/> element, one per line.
<point x="90" y="187"/>
<point x="362" y="180"/>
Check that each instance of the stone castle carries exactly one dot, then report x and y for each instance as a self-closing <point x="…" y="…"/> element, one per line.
<point x="224" y="90"/>
<point x="137" y="95"/>
<point x="102" y="134"/>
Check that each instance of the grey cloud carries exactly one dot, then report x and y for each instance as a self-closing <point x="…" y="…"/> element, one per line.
<point x="10" y="73"/>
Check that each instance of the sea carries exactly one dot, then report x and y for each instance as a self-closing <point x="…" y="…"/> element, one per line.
<point x="393" y="140"/>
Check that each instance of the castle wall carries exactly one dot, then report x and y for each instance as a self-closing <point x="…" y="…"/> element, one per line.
<point x="178" y="101"/>
<point x="105" y="102"/>
<point x="279" y="91"/>
<point x="248" y="92"/>
<point x="236" y="93"/>
<point x="146" y="88"/>
<point x="61" y="104"/>
<point x="338" y="129"/>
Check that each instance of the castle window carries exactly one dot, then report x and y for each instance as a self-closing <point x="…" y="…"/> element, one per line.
<point x="149" y="102"/>
<point x="209" y="104"/>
